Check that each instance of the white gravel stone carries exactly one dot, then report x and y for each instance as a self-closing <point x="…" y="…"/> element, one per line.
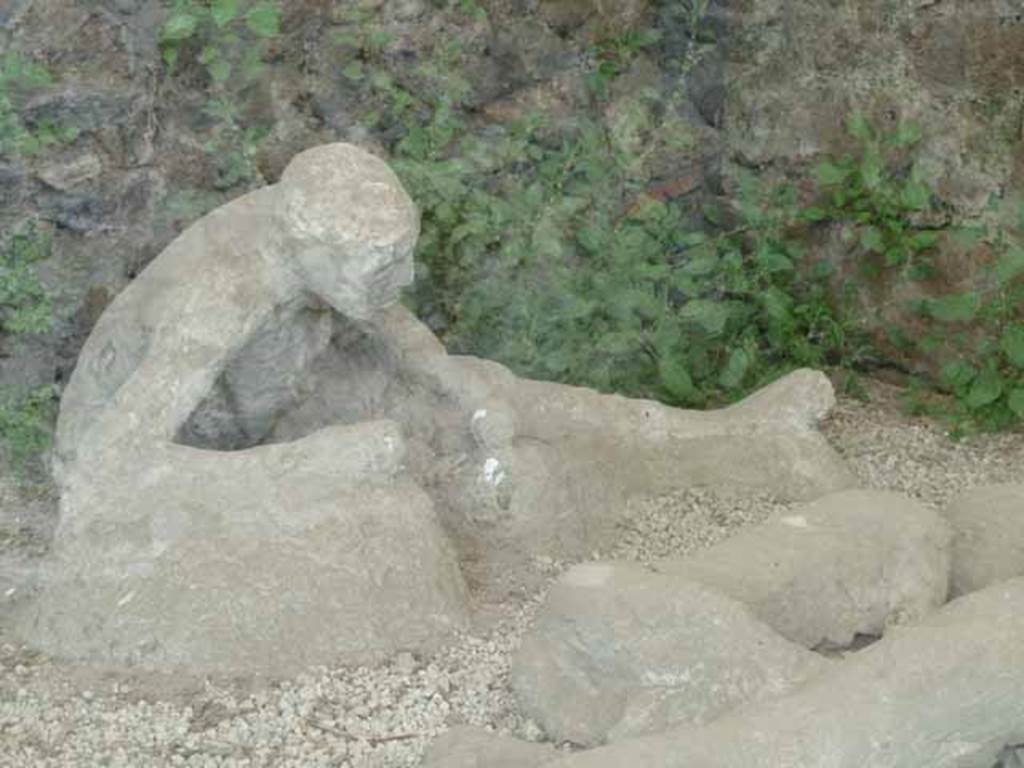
<point x="384" y="716"/>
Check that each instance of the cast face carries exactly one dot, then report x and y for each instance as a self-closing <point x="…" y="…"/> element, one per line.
<point x="356" y="287"/>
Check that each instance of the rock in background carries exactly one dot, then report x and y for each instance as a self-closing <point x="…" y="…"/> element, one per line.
<point x="794" y="68"/>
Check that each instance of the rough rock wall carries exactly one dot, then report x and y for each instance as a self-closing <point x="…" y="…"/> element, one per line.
<point x="769" y="92"/>
<point x="795" y="68"/>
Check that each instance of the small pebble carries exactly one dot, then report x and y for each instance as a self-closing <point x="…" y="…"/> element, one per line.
<point x="385" y="716"/>
<point x="405" y="663"/>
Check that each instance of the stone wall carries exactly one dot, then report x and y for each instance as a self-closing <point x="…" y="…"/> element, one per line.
<point x="768" y="88"/>
<point x="794" y="69"/>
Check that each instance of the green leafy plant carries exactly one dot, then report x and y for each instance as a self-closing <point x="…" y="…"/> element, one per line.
<point x="876" y="194"/>
<point x="984" y="328"/>
<point x="361" y="43"/>
<point x="544" y="247"/>
<point x="229" y="36"/>
<point x="880" y="199"/>
<point x="472" y="9"/>
<point x="545" y="254"/>
<point x="636" y="303"/>
<point x="612" y="56"/>
<point x="229" y="39"/>
<point x="232" y="143"/>
<point x="26" y="427"/>
<point x="694" y="12"/>
<point x="19" y="76"/>
<point x="25" y="306"/>
<point x="26" y="418"/>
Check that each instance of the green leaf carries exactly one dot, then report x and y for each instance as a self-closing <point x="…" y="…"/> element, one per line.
<point x="347" y="38"/>
<point x="647" y="209"/>
<point x="180" y="26"/>
<point x="593" y="238"/>
<point x="223" y="11"/>
<point x="814" y="213"/>
<point x="617" y="343"/>
<point x="647" y="37"/>
<point x="264" y="19"/>
<point x="377" y="40"/>
<point x="829" y="174"/>
<point x="570" y="206"/>
<point x="735" y="369"/>
<point x="548" y="239"/>
<point x="822" y="269"/>
<point x="675" y="378"/>
<point x="644" y="303"/>
<point x="219" y="69"/>
<point x="252" y="63"/>
<point x="1010" y="265"/>
<point x="690" y="239"/>
<point x="772" y="260"/>
<point x="689" y="287"/>
<point x="1012" y="343"/>
<point x="709" y="315"/>
<point x="957" y="375"/>
<point x="702" y="260"/>
<point x="907" y="133"/>
<point x="871" y="239"/>
<point x="26" y="424"/>
<point x="712" y="213"/>
<point x="895" y="256"/>
<point x="986" y="389"/>
<point x="777" y="304"/>
<point x="922" y="241"/>
<point x="915" y="196"/>
<point x="34" y="318"/>
<point x="858" y="127"/>
<point x="1016" y="402"/>
<point x="353" y="70"/>
<point x="24" y="73"/>
<point x="922" y="271"/>
<point x="27" y="144"/>
<point x="871" y="169"/>
<point x="955" y="308"/>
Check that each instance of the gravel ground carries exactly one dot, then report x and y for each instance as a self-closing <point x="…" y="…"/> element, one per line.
<point x="383" y="717"/>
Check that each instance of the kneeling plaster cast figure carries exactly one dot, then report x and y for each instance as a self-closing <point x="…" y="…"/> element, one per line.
<point x="273" y="557"/>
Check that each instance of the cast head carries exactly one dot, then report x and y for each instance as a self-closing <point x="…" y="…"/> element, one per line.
<point x="349" y="227"/>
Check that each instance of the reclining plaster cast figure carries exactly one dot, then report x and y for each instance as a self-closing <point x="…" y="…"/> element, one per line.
<point x="264" y="459"/>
